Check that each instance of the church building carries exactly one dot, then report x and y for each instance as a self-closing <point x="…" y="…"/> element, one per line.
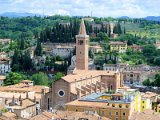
<point x="82" y="81"/>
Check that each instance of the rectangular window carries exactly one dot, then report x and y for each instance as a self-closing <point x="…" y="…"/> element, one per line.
<point x="80" y="42"/>
<point x="131" y="75"/>
<point x="116" y="113"/>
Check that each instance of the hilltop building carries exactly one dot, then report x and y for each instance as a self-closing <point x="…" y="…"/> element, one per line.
<point x="120" y="47"/>
<point x="136" y="48"/>
<point x="5" y="66"/>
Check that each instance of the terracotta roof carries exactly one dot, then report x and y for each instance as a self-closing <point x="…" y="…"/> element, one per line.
<point x="148" y="95"/>
<point x="24" y="88"/>
<point x="88" y="104"/>
<point x="2" y="77"/>
<point x="118" y="42"/>
<point x="96" y="47"/>
<point x="1" y="106"/>
<point x="145" y="115"/>
<point x="9" y="95"/>
<point x="24" y="81"/>
<point x="67" y="115"/>
<point x="83" y="74"/>
<point x="24" y="104"/>
<point x="117" y="94"/>
<point x="9" y="115"/>
<point x="27" y="102"/>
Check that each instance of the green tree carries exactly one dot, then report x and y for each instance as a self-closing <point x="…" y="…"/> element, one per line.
<point x="40" y="79"/>
<point x="22" y="44"/>
<point x="38" y="50"/>
<point x="14" y="78"/>
<point x="124" y="30"/>
<point x="157" y="80"/>
<point x="117" y="29"/>
<point x="27" y="61"/>
<point x="157" y="61"/>
<point x="149" y="50"/>
<point x="103" y="37"/>
<point x="147" y="82"/>
<point x="91" y="54"/>
<point x="58" y="76"/>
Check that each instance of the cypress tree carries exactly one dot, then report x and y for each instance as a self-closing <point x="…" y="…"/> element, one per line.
<point x="38" y="50"/>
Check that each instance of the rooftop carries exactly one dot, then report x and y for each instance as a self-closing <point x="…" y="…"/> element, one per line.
<point x="28" y="81"/>
<point x="149" y="95"/>
<point x="68" y="115"/>
<point x="118" y="43"/>
<point x="2" y="77"/>
<point x="84" y="74"/>
<point x="25" y="88"/>
<point x="145" y="115"/>
<point x="24" y="104"/>
<point x="95" y="97"/>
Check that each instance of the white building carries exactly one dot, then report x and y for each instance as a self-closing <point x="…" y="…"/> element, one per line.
<point x="4" y="66"/>
<point x="63" y="51"/>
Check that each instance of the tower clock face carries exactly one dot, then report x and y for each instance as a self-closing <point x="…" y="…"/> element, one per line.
<point x="61" y="93"/>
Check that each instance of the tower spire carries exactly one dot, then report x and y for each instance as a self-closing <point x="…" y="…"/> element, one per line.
<point x="82" y="30"/>
<point x="82" y="48"/>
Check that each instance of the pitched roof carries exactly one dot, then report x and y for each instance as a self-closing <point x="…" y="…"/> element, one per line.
<point x="117" y="43"/>
<point x="2" y="77"/>
<point x="85" y="74"/>
<point x="67" y="115"/>
<point x="145" y="115"/>
<point x="9" y="115"/>
<point x="24" y="104"/>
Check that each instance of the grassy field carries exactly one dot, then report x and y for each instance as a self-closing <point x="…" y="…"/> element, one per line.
<point x="133" y="28"/>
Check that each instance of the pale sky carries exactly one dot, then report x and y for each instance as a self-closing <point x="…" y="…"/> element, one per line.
<point x="99" y="8"/>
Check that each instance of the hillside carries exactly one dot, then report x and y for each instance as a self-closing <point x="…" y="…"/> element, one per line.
<point x="147" y="31"/>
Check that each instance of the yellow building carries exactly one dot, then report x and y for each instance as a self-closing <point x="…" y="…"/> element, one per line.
<point x="118" y="106"/>
<point x="147" y="99"/>
<point x="120" y="47"/>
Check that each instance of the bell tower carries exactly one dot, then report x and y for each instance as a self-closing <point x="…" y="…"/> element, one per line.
<point x="82" y="48"/>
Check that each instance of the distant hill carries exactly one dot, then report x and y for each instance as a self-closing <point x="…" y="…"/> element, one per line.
<point x="124" y="17"/>
<point x="14" y="14"/>
<point x="153" y="18"/>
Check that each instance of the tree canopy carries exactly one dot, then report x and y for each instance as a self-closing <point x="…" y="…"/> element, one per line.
<point x="14" y="78"/>
<point x="40" y="79"/>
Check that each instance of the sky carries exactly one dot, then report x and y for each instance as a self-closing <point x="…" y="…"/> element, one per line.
<point x="99" y="8"/>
